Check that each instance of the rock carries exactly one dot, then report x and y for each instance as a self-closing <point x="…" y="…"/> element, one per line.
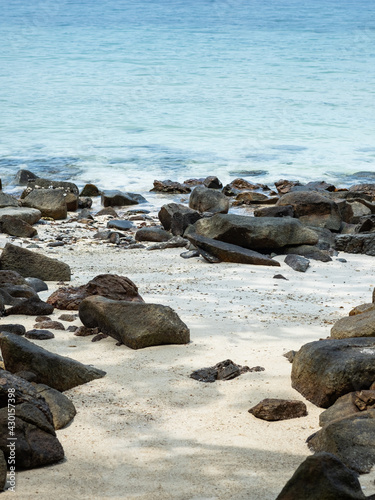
<point x="212" y="182"/>
<point x="356" y="243"/>
<point x="313" y="209"/>
<point x="110" y="286"/>
<point x="62" y="409"/>
<point x="3" y="471"/>
<point x="108" y="211"/>
<point x="85" y="203"/>
<point x="227" y="252"/>
<point x="137" y="325"/>
<point x="37" y="284"/>
<point x="348" y="405"/>
<point x="322" y="477"/>
<point x="189" y="254"/>
<point x="58" y="372"/>
<point x="152" y="234"/>
<point x="204" y="199"/>
<point x="170" y="187"/>
<point x="324" y="370"/>
<point x="8" y="277"/>
<point x="297" y="262"/>
<point x="28" y="215"/>
<point x="364" y="189"/>
<point x="39" y="335"/>
<point x="225" y="370"/>
<point x="23" y="176"/>
<point x="362" y="308"/>
<point x="123" y="225"/>
<point x="6" y="200"/>
<point x="283" y="186"/>
<point x="290" y="356"/>
<point x="175" y="242"/>
<point x="360" y="325"/>
<point x="83" y="331"/>
<point x="54" y="325"/>
<point x="90" y="190"/>
<point x="22" y="291"/>
<point x="358" y="210"/>
<point x="276" y="211"/>
<point x="63" y="186"/>
<point x="13" y="328"/>
<point x="50" y="202"/>
<point x="72" y="202"/>
<point x="30" y="307"/>
<point x="16" y="227"/>
<point x="117" y="198"/>
<point x="251" y="198"/>
<point x="68" y="317"/>
<point x="238" y="185"/>
<point x="176" y="218"/>
<point x="309" y="252"/>
<point x="32" y="264"/>
<point x="314" y="186"/>
<point x="278" y="409"/>
<point x="351" y="439"/>
<point x="264" y="234"/>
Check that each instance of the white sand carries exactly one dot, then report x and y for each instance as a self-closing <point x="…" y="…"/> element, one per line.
<point x="148" y="431"/>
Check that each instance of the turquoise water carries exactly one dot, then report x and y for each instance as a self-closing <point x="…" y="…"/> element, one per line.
<point x="121" y="92"/>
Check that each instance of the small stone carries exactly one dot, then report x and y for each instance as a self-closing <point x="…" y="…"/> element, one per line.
<point x="278" y="409"/>
<point x="280" y="277"/>
<point x="39" y="335"/>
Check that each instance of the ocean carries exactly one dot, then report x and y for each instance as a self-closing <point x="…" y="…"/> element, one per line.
<point x="122" y="92"/>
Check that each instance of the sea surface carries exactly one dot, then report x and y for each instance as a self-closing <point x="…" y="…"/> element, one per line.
<point x="122" y="92"/>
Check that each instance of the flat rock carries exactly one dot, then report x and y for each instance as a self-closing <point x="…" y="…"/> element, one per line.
<point x="7" y="200"/>
<point x="175" y="242"/>
<point x="58" y="372"/>
<point x="278" y="409"/>
<point x="28" y="215"/>
<point x="360" y="325"/>
<point x="39" y="334"/>
<point x="137" y="325"/>
<point x="122" y="224"/>
<point x="309" y="252"/>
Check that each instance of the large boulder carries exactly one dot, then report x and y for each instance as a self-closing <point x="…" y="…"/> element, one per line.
<point x="358" y="325"/>
<point x="205" y="199"/>
<point x="16" y="227"/>
<point x="136" y="325"/>
<point x="7" y="200"/>
<point x="313" y="209"/>
<point x="226" y="252"/>
<point x="264" y="234"/>
<point x="50" y="202"/>
<point x="176" y="218"/>
<point x="356" y="243"/>
<point x="56" y="371"/>
<point x="110" y="286"/>
<point x="324" y="370"/>
<point x="28" y="215"/>
<point x="32" y="264"/>
<point x="322" y="477"/>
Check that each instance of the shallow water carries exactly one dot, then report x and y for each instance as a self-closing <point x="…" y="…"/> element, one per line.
<point x="121" y="92"/>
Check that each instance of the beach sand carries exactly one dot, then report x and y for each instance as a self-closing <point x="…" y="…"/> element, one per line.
<point x="147" y="430"/>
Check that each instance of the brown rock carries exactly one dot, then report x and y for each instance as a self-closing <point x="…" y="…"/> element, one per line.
<point x="278" y="409"/>
<point x="360" y="325"/>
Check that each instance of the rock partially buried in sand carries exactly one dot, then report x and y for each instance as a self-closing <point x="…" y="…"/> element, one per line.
<point x="32" y="264"/>
<point x="225" y="370"/>
<point x="57" y="371"/>
<point x="136" y="325"/>
<point x="62" y="409"/>
<point x="278" y="409"/>
<point x="297" y="263"/>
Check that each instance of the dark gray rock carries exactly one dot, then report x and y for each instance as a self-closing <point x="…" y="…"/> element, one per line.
<point x="50" y="202"/>
<point x="356" y="243"/>
<point x="348" y="405"/>
<point x="297" y="263"/>
<point x="3" y="471"/>
<point x="62" y="409"/>
<point x="64" y="186"/>
<point x="90" y="190"/>
<point x="117" y="198"/>
<point x="56" y="371"/>
<point x="170" y="187"/>
<point x="278" y="409"/>
<point x="322" y="477"/>
<point x="225" y="370"/>
<point x="238" y="185"/>
<point x="324" y="370"/>
<point x="123" y="225"/>
<point x="108" y="211"/>
<point x="39" y="335"/>
<point x="137" y="325"/>
<point x="284" y="186"/>
<point x="204" y="199"/>
<point x="155" y="234"/>
<point x="176" y="218"/>
<point x="23" y="176"/>
<point x="31" y="307"/>
<point x="13" y="328"/>
<point x="6" y="200"/>
<point x="212" y="182"/>
<point x="309" y="252"/>
<point x="32" y="264"/>
<point x="37" y="284"/>
<point x="28" y="215"/>
<point x="276" y="211"/>
<point x="227" y="252"/>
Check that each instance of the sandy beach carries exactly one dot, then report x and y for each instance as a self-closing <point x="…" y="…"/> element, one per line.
<point x="147" y="430"/>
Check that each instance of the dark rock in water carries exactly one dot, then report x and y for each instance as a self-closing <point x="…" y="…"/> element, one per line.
<point x="37" y="284"/>
<point x="254" y="198"/>
<point x="190" y="254"/>
<point x="356" y="243"/>
<point x="136" y="325"/>
<point x="264" y="234"/>
<point x="309" y="252"/>
<point x="117" y="198"/>
<point x="280" y="277"/>
<point x="204" y="199"/>
<point x="212" y="182"/>
<point x="324" y="370"/>
<point x="278" y="409"/>
<point x="6" y="200"/>
<point x="54" y="325"/>
<point x="276" y="211"/>
<point x="225" y="370"/>
<point x="297" y="263"/>
<point x="283" y="186"/>
<point x="248" y="173"/>
<point x="62" y="409"/>
<point x="31" y="307"/>
<point x="352" y="439"/>
<point x="50" y="202"/>
<point x="175" y="242"/>
<point x="238" y="185"/>
<point x="176" y="218"/>
<point x="123" y="225"/>
<point x="90" y="190"/>
<point x="227" y="252"/>
<point x="28" y="215"/>
<point x="58" y="372"/>
<point x="39" y="335"/>
<point x="16" y="227"/>
<point x="108" y="211"/>
<point x="13" y="328"/>
<point x="32" y="264"/>
<point x="23" y="176"/>
<point x="170" y="187"/>
<point x="110" y="286"/>
<point x="322" y="477"/>
<point x="156" y="234"/>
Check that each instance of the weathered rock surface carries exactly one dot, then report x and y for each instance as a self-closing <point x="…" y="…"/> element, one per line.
<point x="62" y="409"/>
<point x="356" y="243"/>
<point x="136" y="325"/>
<point x="170" y="187"/>
<point x="13" y="328"/>
<point x="205" y="199"/>
<point x="117" y="198"/>
<point x="30" y="307"/>
<point x="176" y="218"/>
<point x="257" y="233"/>
<point x="16" y="227"/>
<point x="90" y="190"/>
<point x="37" y="334"/>
<point x="227" y="252"/>
<point x="32" y="264"/>
<point x="275" y="211"/>
<point x="37" y="284"/>
<point x="44" y="184"/>
<point x="50" y="202"/>
<point x="123" y="225"/>
<point x="238" y="185"/>
<point x="110" y="286"/>
<point x="56" y="371"/>
<point x="225" y="370"/>
<point x="28" y="215"/>
<point x="297" y="262"/>
<point x="309" y="252"/>
<point x="359" y="325"/>
<point x="252" y="198"/>
<point x="278" y="409"/>
<point x="6" y="200"/>
<point x="23" y="176"/>
<point x="284" y="186"/>
<point x="324" y="370"/>
<point x="155" y="234"/>
<point x="348" y="405"/>
<point x="322" y="477"/>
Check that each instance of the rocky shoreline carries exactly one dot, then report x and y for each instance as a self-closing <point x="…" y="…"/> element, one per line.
<point x="51" y="234"/>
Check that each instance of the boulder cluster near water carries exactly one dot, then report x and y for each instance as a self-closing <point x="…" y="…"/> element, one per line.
<point x="240" y="223"/>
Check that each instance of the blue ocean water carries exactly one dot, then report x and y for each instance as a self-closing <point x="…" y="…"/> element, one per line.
<point x="121" y="92"/>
